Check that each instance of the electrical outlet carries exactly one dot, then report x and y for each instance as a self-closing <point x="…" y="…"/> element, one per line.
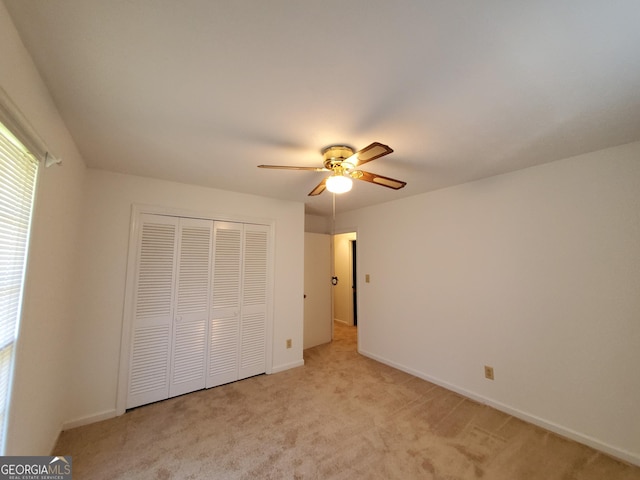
<point x="288" y="343"/>
<point x="488" y="372"/>
<point x="367" y="278"/>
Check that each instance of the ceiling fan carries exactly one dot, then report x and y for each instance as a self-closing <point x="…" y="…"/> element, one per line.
<point x="343" y="163"/>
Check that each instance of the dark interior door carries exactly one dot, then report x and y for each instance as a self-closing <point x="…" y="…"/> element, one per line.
<point x="353" y="286"/>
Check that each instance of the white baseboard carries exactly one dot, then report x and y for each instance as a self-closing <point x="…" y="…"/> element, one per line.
<point x="341" y="321"/>
<point x="611" y="450"/>
<point x="287" y="366"/>
<point x="79" y="422"/>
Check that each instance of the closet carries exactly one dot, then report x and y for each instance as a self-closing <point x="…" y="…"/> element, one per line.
<point x="200" y="305"/>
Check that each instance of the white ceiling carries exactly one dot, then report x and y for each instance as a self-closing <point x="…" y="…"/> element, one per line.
<point x="202" y="91"/>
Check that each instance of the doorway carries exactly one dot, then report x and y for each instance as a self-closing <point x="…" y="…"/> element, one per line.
<point x="318" y="321"/>
<point x="345" y="285"/>
<point x="354" y="275"/>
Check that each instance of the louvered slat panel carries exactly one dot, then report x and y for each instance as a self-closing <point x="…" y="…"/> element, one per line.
<point x="224" y="346"/>
<point x="255" y="268"/>
<point x="254" y="301"/>
<point x="188" y="371"/>
<point x="226" y="268"/>
<point x="149" y="367"/>
<point x="188" y="354"/>
<point x="153" y="311"/>
<point x="253" y="342"/>
<point x="155" y="270"/>
<point x="224" y="326"/>
<point x="193" y="270"/>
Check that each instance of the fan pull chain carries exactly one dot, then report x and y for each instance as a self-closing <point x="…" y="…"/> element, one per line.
<point x="333" y="218"/>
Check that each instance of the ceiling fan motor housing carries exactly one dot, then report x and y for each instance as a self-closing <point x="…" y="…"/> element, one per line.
<point x="335" y="156"/>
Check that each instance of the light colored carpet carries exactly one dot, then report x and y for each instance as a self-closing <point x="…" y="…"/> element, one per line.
<point x="341" y="416"/>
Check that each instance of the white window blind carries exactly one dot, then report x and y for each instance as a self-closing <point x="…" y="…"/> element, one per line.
<point x="18" y="173"/>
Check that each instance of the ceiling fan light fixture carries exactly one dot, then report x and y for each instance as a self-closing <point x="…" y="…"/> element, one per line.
<point x="339" y="184"/>
<point x="344" y="166"/>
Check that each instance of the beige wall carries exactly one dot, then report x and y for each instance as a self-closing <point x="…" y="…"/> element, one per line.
<point x="317" y="224"/>
<point x="42" y="369"/>
<point x="536" y="273"/>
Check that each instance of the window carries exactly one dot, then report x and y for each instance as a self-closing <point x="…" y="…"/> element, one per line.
<point x="18" y="172"/>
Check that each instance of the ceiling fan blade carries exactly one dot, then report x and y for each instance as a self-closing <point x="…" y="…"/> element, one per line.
<point x="380" y="180"/>
<point x="286" y="167"/>
<point x="371" y="152"/>
<point x="321" y="187"/>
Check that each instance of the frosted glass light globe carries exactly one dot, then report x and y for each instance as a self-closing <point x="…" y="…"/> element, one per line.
<point x="339" y="184"/>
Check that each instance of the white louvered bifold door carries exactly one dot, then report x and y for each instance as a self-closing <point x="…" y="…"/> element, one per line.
<point x="253" y="317"/>
<point x="224" y="327"/>
<point x="153" y="310"/>
<point x="188" y="365"/>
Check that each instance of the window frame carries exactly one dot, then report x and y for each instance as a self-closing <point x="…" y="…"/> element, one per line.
<point x="22" y="172"/>
<point x="23" y="132"/>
